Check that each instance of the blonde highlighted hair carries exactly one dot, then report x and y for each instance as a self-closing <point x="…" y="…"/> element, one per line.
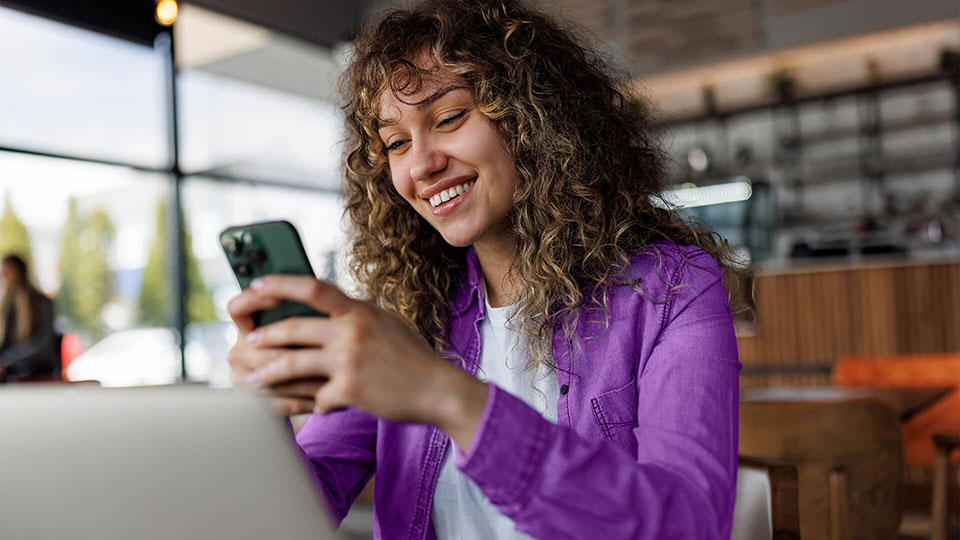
<point x="591" y="177"/>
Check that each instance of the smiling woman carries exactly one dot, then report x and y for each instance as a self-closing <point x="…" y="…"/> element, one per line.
<point x="547" y="348"/>
<point x="439" y="147"/>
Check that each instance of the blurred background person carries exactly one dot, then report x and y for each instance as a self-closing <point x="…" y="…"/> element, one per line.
<point x="28" y="342"/>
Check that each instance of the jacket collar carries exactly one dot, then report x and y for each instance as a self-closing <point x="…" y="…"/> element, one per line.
<point x="469" y="290"/>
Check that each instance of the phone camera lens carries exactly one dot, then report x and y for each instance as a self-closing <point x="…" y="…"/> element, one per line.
<point x="243" y="270"/>
<point x="231" y="245"/>
<point x="255" y="256"/>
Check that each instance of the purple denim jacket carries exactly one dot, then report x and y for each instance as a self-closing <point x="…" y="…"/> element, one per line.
<point x="646" y="440"/>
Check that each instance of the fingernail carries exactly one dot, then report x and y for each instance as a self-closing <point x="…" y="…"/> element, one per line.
<point x="257" y="283"/>
<point x="254" y="336"/>
<point x="255" y="377"/>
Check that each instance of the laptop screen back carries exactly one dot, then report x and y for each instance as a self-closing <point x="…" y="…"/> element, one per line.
<point x="162" y="462"/>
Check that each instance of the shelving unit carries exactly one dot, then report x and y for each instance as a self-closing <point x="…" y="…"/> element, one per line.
<point x="858" y="163"/>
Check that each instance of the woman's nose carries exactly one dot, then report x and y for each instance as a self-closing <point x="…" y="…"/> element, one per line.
<point x="427" y="160"/>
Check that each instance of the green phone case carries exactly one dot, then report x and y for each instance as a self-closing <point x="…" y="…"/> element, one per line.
<point x="271" y="247"/>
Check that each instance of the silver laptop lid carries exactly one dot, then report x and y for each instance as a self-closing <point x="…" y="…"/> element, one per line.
<point x="150" y="463"/>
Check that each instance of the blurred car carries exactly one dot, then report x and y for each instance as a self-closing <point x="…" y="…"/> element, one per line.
<point x="151" y="356"/>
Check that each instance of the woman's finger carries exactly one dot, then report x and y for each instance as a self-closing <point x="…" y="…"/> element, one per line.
<point x="293" y="364"/>
<point x="320" y="295"/>
<point x="329" y="398"/>
<point x="242" y="307"/>
<point x="245" y="358"/>
<point x="288" y="406"/>
<point x="303" y="389"/>
<point x="302" y="331"/>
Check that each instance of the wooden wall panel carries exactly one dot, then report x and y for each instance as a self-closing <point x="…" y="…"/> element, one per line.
<point x="805" y="320"/>
<point x="786" y="7"/>
<point x="952" y="309"/>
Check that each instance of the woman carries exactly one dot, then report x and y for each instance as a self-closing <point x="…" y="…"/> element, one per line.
<point x="547" y="351"/>
<point x="28" y="342"/>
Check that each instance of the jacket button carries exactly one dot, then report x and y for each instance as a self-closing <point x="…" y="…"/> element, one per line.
<point x="563" y="389"/>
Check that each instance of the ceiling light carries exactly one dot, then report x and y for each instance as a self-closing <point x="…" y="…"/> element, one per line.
<point x="689" y="195"/>
<point x="698" y="159"/>
<point x="166" y="12"/>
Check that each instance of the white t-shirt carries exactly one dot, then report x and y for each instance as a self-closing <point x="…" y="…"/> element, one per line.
<point x="460" y="509"/>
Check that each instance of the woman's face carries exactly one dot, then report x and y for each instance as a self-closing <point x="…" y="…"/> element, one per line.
<point x="8" y="276"/>
<point x="448" y="160"/>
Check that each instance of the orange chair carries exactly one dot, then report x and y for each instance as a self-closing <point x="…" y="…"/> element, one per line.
<point x="916" y="370"/>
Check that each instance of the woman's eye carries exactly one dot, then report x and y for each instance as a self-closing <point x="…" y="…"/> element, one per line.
<point x="394" y="146"/>
<point x="452" y="119"/>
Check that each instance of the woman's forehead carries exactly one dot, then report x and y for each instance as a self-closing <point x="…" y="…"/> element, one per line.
<point x="393" y="102"/>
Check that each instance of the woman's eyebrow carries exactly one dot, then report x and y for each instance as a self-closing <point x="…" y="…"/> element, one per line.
<point x="423" y="104"/>
<point x="432" y="98"/>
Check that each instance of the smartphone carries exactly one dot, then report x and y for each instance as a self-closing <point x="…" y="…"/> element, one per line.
<point x="271" y="247"/>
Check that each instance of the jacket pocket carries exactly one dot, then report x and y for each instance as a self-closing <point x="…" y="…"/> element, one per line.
<point x="616" y="413"/>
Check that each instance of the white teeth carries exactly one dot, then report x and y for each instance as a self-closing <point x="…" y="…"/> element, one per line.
<point x="451" y="193"/>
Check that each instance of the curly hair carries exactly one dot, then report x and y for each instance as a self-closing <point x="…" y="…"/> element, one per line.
<point x="591" y="177"/>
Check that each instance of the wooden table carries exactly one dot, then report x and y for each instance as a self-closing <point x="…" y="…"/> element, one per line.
<point x="904" y="401"/>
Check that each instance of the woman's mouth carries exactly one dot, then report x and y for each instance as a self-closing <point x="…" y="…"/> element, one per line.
<point x="451" y="193"/>
<point x="447" y="200"/>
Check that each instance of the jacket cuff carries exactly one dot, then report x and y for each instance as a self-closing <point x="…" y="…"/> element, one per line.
<point x="503" y="458"/>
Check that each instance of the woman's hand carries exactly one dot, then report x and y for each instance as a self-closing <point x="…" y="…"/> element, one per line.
<point x="369" y="358"/>
<point x="244" y="358"/>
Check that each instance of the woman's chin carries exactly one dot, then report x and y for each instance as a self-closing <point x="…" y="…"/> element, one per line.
<point x="458" y="242"/>
<point x="458" y="238"/>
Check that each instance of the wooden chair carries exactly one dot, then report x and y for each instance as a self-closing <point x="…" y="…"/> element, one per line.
<point x="766" y="507"/>
<point x="945" y="444"/>
<point x="847" y="453"/>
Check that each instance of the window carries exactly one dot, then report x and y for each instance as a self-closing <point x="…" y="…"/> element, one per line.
<point x="87" y="183"/>
<point x="88" y="232"/>
<point x="71" y="91"/>
<point x="210" y="207"/>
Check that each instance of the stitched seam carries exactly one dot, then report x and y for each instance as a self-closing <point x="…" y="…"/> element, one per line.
<point x="423" y="478"/>
<point x="668" y="307"/>
<point x="442" y="443"/>
<point x="631" y="422"/>
<point x="472" y="353"/>
<point x="600" y="418"/>
<point x="567" y="375"/>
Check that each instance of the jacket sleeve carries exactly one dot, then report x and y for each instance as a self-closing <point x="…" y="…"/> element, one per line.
<point x="339" y="449"/>
<point x="555" y="483"/>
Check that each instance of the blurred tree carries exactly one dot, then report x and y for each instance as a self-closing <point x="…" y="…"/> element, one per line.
<point x="199" y="299"/>
<point x="155" y="301"/>
<point x="86" y="282"/>
<point x="153" y="304"/>
<point x="69" y="257"/>
<point x="14" y="239"/>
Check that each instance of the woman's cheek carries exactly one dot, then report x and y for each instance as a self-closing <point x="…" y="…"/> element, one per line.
<point x="403" y="185"/>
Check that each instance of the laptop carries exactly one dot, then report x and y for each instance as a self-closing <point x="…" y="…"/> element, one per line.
<point x="177" y="462"/>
